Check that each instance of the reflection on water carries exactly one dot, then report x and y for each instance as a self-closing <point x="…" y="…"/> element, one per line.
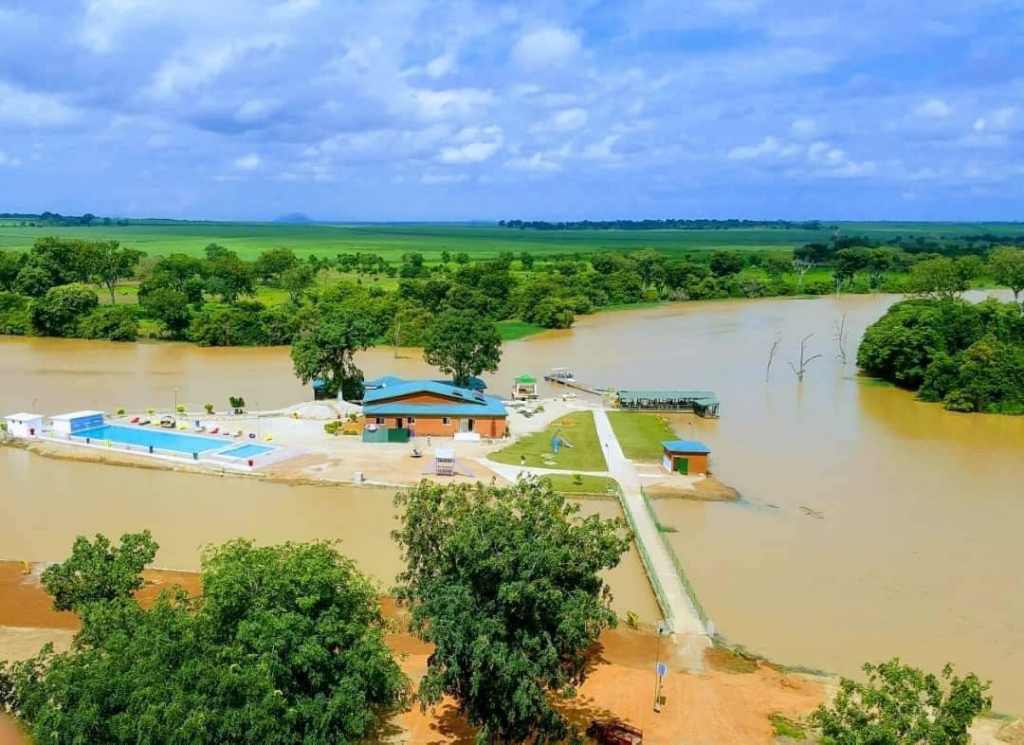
<point x="917" y="551"/>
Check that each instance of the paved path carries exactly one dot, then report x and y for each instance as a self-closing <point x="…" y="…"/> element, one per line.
<point x="684" y="617"/>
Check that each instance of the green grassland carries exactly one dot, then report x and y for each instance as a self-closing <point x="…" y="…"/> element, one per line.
<point x="161" y="237"/>
<point x="641" y="435"/>
<point x="580" y="484"/>
<point x="578" y="428"/>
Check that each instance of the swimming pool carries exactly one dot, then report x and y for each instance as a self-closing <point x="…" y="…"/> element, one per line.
<point x="158" y="439"/>
<point x="248" y="451"/>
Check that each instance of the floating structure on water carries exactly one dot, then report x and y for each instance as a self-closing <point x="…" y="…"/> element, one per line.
<point x="701" y="403"/>
<point x="564" y="376"/>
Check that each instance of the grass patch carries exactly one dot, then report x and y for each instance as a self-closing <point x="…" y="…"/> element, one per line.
<point x="641" y="434"/>
<point x="602" y="486"/>
<point x="578" y="428"/>
<point x="786" y="727"/>
<point x="875" y="382"/>
<point x="512" y="330"/>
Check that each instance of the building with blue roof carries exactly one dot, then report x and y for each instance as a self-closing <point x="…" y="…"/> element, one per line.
<point x="685" y="456"/>
<point x="439" y="408"/>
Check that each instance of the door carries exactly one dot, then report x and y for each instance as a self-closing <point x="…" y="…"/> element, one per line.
<point x="683" y="465"/>
<point x="465" y="425"/>
<point x="398" y="422"/>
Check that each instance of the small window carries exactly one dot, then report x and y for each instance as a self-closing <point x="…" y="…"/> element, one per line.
<point x="446" y="420"/>
<point x="380" y="420"/>
<point x="411" y="420"/>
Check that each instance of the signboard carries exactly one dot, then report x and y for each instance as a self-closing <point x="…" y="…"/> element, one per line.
<point x="662" y="669"/>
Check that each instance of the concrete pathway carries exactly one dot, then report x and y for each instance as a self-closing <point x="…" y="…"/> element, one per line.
<point x="684" y="618"/>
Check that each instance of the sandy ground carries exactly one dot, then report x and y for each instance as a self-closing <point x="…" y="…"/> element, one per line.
<point x="716" y="707"/>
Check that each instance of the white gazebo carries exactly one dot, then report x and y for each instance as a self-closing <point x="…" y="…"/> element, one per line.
<point x="24" y="425"/>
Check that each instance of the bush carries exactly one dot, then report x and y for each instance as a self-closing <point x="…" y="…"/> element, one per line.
<point x="111" y="322"/>
<point x="121" y="411"/>
<point x="209" y="408"/>
<point x="14" y="317"/>
<point x="333" y="427"/>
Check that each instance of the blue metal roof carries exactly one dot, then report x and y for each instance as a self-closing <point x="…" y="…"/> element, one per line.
<point x="399" y="388"/>
<point x="685" y="446"/>
<point x="491" y="407"/>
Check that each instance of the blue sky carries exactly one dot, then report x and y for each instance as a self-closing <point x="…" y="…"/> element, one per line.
<point x="433" y="110"/>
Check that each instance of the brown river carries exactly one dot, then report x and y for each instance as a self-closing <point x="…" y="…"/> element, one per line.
<point x="872" y="525"/>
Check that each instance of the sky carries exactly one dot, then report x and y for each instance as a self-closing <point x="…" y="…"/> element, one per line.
<point x="463" y="110"/>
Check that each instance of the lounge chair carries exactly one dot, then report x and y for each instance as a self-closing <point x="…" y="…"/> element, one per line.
<point x="135" y="420"/>
<point x="215" y="431"/>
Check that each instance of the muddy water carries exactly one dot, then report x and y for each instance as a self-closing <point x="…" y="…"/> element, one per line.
<point x="913" y="546"/>
<point x="45" y="503"/>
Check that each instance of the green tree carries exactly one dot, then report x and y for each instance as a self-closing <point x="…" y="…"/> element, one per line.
<point x="526" y="261"/>
<point x="110" y="263"/>
<point x="409" y="326"/>
<point x="99" y="572"/>
<point x="227" y="275"/>
<point x="274" y="262"/>
<point x="462" y="344"/>
<point x="175" y="270"/>
<point x="445" y="257"/>
<point x="943" y="277"/>
<point x="327" y="343"/>
<point x="505" y="583"/>
<point x="726" y="263"/>
<point x="286" y="645"/>
<point x="33" y="281"/>
<point x="777" y="264"/>
<point x="1007" y="266"/>
<point x="58" y="312"/>
<point x="296" y="280"/>
<point x="169" y="307"/>
<point x="11" y="263"/>
<point x="901" y="705"/>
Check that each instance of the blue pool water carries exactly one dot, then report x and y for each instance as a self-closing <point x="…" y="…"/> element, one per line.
<point x="145" y="436"/>
<point x="248" y="451"/>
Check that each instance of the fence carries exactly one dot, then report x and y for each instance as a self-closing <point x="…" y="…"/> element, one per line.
<point x="645" y="559"/>
<point x="690" y="592"/>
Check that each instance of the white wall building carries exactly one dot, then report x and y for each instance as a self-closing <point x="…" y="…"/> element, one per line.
<point x="69" y="424"/>
<point x="24" y="425"/>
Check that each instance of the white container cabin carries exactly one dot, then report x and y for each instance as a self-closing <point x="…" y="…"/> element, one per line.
<point x="24" y="425"/>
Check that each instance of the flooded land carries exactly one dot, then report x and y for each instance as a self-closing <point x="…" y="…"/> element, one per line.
<point x="871" y="524"/>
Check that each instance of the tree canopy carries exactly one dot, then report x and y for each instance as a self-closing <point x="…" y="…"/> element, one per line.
<point x="505" y="583"/>
<point x="901" y="705"/>
<point x="462" y="344"/>
<point x="969" y="356"/>
<point x="285" y="645"/>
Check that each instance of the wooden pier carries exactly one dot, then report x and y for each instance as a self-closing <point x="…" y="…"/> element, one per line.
<point x="563" y="376"/>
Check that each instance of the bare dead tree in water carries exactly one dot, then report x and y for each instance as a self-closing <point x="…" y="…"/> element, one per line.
<point x="771" y="356"/>
<point x="804" y="359"/>
<point x="839" y="336"/>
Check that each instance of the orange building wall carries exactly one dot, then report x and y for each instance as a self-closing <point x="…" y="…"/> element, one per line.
<point x="493" y="427"/>
<point x="698" y="462"/>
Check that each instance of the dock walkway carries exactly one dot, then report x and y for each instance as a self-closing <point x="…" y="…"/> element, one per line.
<point x="683" y="616"/>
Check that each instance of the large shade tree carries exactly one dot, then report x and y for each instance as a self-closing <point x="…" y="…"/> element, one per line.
<point x="285" y="645"/>
<point x="505" y="583"/>
<point x="462" y="344"/>
<point x="331" y="335"/>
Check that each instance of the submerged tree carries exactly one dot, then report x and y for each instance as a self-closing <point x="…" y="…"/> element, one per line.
<point x="839" y="336"/>
<point x="804" y="359"/>
<point x="505" y="583"/>
<point x="285" y="645"/>
<point x="901" y="705"/>
<point x="771" y="356"/>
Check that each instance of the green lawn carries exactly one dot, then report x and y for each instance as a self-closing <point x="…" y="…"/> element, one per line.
<point x="512" y="330"/>
<point x="595" y="485"/>
<point x="641" y="435"/>
<point x="578" y="428"/>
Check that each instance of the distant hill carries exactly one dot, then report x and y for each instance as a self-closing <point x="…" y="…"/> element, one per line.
<point x="294" y="217"/>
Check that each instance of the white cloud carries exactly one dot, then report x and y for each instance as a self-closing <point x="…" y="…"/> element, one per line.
<point x="256" y="109"/>
<point x="933" y="108"/>
<point x="104" y="20"/>
<point x="23" y="108"/>
<point x="293" y="8"/>
<point x="248" y="162"/>
<point x="474" y="152"/>
<point x="542" y="160"/>
<point x="768" y="146"/>
<point x="437" y="177"/>
<point x="602" y="149"/>
<point x="189" y="69"/>
<point x="804" y="128"/>
<point x="442" y="65"/>
<point x="979" y="124"/>
<point x="564" y="121"/>
<point x="8" y="160"/>
<point x="452" y="104"/>
<point x="546" y="47"/>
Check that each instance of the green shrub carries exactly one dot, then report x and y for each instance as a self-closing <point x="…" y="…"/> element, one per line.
<point x="111" y="322"/>
<point x="333" y="427"/>
<point x="209" y="408"/>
